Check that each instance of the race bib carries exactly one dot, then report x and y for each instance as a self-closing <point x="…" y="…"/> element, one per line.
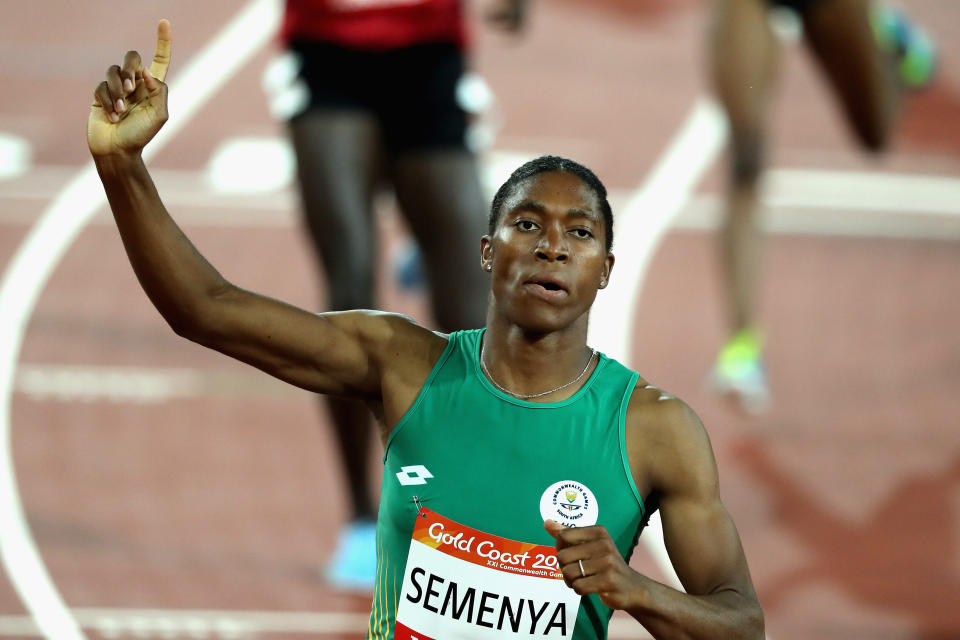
<point x="461" y="583"/>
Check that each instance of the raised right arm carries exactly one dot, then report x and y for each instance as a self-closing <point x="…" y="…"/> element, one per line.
<point x="350" y="353"/>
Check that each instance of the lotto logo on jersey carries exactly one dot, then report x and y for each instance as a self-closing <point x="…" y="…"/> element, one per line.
<point x="413" y="475"/>
<point x="569" y="502"/>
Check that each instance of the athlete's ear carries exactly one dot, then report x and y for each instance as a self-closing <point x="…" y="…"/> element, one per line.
<point x="486" y="253"/>
<point x="607" y="268"/>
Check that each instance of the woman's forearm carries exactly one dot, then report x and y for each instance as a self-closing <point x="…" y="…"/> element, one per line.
<point x="175" y="276"/>
<point x="669" y="614"/>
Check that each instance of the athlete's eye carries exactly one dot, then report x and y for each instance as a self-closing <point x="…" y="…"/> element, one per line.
<point x="526" y="225"/>
<point x="582" y="233"/>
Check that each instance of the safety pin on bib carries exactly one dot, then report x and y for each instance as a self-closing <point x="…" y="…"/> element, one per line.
<point x="416" y="501"/>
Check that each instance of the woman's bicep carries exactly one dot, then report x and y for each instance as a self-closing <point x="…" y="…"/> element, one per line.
<point x="333" y="353"/>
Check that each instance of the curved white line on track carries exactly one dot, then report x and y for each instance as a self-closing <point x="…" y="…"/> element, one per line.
<point x="645" y="219"/>
<point x="37" y="257"/>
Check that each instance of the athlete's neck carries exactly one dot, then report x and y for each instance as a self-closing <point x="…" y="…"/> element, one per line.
<point x="529" y="363"/>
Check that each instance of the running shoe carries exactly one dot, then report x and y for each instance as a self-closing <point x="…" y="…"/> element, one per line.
<point x="353" y="566"/>
<point x="409" y="271"/>
<point x="913" y="47"/>
<point x="739" y="371"/>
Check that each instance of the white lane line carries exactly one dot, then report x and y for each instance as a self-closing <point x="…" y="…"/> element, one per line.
<point x="638" y="230"/>
<point x="144" y="385"/>
<point x="39" y="254"/>
<point x="704" y="213"/>
<point x="794" y="200"/>
<point x="250" y="165"/>
<point x="195" y="624"/>
<point x="644" y="220"/>
<point x="788" y="187"/>
<point x="229" y="625"/>
<point x="15" y="155"/>
<point x="78" y="383"/>
<point x="862" y="190"/>
<point x="217" y="624"/>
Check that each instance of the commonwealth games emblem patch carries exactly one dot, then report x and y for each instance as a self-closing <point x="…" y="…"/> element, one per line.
<point x="570" y="503"/>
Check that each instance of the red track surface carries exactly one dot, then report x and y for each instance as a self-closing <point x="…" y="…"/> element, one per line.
<point x="847" y="494"/>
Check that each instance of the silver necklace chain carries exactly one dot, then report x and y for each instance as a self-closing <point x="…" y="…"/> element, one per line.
<point x="527" y="396"/>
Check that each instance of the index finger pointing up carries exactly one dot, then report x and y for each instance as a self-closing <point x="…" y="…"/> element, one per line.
<point x="161" y="59"/>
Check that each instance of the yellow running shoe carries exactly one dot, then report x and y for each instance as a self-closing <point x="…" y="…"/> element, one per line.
<point x="740" y="371"/>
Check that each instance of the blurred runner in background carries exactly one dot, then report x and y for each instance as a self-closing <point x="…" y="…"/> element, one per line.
<point x="870" y="54"/>
<point x="374" y="92"/>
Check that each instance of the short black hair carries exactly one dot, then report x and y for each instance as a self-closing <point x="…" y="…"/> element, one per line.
<point x="547" y="164"/>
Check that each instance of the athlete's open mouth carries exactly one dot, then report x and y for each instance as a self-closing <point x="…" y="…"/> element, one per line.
<point x="548" y="285"/>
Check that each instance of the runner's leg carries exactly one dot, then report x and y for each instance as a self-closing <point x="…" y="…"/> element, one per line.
<point x="440" y="195"/>
<point x="337" y="156"/>
<point x="744" y="53"/>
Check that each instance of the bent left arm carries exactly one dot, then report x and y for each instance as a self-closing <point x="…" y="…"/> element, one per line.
<point x="720" y="601"/>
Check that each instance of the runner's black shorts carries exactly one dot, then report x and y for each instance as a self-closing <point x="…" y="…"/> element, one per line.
<point x="411" y="91"/>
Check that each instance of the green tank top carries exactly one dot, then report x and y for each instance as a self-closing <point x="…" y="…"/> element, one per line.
<point x="487" y="460"/>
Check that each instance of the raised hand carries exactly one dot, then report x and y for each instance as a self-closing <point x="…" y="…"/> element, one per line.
<point x="591" y="563"/>
<point x="130" y="106"/>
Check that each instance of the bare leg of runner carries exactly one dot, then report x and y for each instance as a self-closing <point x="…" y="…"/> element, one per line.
<point x="871" y="54"/>
<point x="868" y="53"/>
<point x="862" y="76"/>
<point x="439" y="193"/>
<point x="338" y="164"/>
<point x="744" y="55"/>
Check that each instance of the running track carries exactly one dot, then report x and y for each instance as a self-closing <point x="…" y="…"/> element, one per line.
<point x="173" y="493"/>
